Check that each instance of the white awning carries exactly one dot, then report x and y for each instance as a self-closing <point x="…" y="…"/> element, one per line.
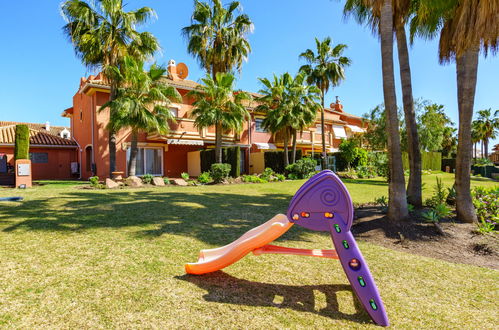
<point x="356" y="129"/>
<point x="333" y="149"/>
<point x="186" y="142"/>
<point x="339" y="132"/>
<point x="265" y="146"/>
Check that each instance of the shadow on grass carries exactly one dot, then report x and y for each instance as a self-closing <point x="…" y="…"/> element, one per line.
<point x="214" y="218"/>
<point x="365" y="181"/>
<point x="224" y="288"/>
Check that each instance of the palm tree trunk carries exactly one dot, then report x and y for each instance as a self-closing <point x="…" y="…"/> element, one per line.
<point x="414" y="188"/>
<point x="481" y="149"/>
<point x="218" y="143"/>
<point x="486" y="147"/>
<point x="474" y="150"/>
<point x="466" y="70"/>
<point x="112" y="138"/>
<point x="293" y="148"/>
<point x="132" y="163"/>
<point x="397" y="205"/>
<point x="323" y="135"/>
<point x="286" y="141"/>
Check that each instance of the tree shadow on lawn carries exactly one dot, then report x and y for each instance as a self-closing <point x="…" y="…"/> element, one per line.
<point x="212" y="218"/>
<point x="224" y="288"/>
<point x="365" y="181"/>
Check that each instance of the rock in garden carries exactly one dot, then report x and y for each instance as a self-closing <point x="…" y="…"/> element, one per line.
<point x="110" y="184"/>
<point x="134" y="181"/>
<point x="180" y="182"/>
<point x="157" y="181"/>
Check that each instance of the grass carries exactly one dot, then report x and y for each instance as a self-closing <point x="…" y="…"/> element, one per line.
<point x="76" y="258"/>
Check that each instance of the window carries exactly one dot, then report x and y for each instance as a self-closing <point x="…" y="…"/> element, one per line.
<point x="39" y="157"/>
<point x="258" y="125"/>
<point x="174" y="112"/>
<point x="318" y="129"/>
<point x="149" y="161"/>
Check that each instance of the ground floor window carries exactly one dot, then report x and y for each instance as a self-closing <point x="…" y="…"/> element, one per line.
<point x="39" y="157"/>
<point x="149" y="161"/>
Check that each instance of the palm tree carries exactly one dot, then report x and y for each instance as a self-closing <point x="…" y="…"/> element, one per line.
<point x="475" y="136"/>
<point x="217" y="37"/>
<point x="276" y="103"/>
<point x="368" y="12"/>
<point x="488" y="125"/>
<point x="102" y="34"/>
<point x="397" y="207"/>
<point x="217" y="104"/>
<point x="142" y="104"/>
<point x="325" y="69"/>
<point x="305" y="105"/>
<point x="464" y="27"/>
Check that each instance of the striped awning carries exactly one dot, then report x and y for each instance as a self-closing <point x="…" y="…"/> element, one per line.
<point x="265" y="146"/>
<point x="185" y="142"/>
<point x="339" y="132"/>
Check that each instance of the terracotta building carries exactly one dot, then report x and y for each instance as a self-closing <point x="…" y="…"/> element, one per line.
<point x="52" y="151"/>
<point x="178" y="151"/>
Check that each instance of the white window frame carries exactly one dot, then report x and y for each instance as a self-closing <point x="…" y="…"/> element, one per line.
<point x="259" y="128"/>
<point x="318" y="129"/>
<point x="145" y="160"/>
<point x="174" y="111"/>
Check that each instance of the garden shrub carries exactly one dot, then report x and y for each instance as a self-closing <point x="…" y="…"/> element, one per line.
<point x="205" y="178"/>
<point x="439" y="194"/>
<point x="364" y="172"/>
<point x="379" y="160"/>
<point x="280" y="177"/>
<point x="147" y="178"/>
<point x="185" y="176"/>
<point x="253" y="179"/>
<point x="302" y="169"/>
<point x="94" y="180"/>
<point x="220" y="172"/>
<point x="166" y="180"/>
<point x="21" y="148"/>
<point x="486" y="202"/>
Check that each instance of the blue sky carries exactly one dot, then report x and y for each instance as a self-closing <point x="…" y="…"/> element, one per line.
<point x="40" y="73"/>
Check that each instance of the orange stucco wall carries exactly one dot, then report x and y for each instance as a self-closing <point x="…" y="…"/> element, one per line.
<point x="58" y="166"/>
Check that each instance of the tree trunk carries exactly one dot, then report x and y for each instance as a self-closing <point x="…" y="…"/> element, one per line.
<point x="132" y="162"/>
<point x="466" y="70"/>
<point x="112" y="138"/>
<point x="218" y="143"/>
<point x="397" y="205"/>
<point x="414" y="188"/>
<point x="293" y="148"/>
<point x="481" y="149"/>
<point x="286" y="141"/>
<point x="323" y="135"/>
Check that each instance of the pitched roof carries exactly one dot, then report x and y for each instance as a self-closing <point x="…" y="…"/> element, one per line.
<point x="36" y="136"/>
<point x="54" y="130"/>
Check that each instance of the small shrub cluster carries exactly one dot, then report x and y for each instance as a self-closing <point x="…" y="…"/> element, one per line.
<point x="185" y="176"/>
<point x="220" y="172"/>
<point x="205" y="178"/>
<point x="302" y="169"/>
<point x="486" y="202"/>
<point x="268" y="175"/>
<point x="94" y="182"/>
<point x="147" y="178"/>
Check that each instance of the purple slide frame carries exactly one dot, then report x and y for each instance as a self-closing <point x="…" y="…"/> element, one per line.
<point x="324" y="204"/>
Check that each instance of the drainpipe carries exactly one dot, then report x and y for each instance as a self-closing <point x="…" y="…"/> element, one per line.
<point x="79" y="147"/>
<point x="93" y="148"/>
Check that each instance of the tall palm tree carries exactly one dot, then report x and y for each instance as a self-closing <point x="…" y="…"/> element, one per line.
<point x="217" y="104"/>
<point x="476" y="136"/>
<point x="368" y="12"/>
<point x="464" y="27"/>
<point x="276" y="103"/>
<point x="325" y="69"/>
<point x="397" y="207"/>
<point x="305" y="102"/>
<point x="488" y="125"/>
<point x="103" y="33"/>
<point x="142" y="104"/>
<point x="217" y="37"/>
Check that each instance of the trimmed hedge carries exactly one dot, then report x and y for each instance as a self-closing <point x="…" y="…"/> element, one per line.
<point x="485" y="171"/>
<point x="275" y="160"/>
<point x="429" y="160"/>
<point x="230" y="155"/>
<point x="21" y="149"/>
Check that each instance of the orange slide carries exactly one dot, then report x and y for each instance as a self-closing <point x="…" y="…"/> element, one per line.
<point x="215" y="259"/>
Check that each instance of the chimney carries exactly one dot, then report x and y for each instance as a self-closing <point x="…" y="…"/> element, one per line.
<point x="337" y="106"/>
<point x="172" y="70"/>
<point x="47" y="126"/>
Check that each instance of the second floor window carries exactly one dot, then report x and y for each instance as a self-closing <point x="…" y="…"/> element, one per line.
<point x="258" y="125"/>
<point x="318" y="129"/>
<point x="174" y="112"/>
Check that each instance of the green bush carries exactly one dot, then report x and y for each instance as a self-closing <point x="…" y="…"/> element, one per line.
<point x="185" y="176"/>
<point x="166" y="180"/>
<point x="439" y="194"/>
<point x="21" y="148"/>
<point x="94" y="180"/>
<point x="253" y="179"/>
<point x="486" y="202"/>
<point x="379" y="161"/>
<point x="280" y="177"/>
<point x="220" y="172"/>
<point x="364" y="172"/>
<point x="205" y="178"/>
<point x="302" y="169"/>
<point x="147" y="178"/>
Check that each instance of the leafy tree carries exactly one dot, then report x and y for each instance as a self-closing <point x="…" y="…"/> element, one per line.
<point x="432" y="127"/>
<point x="217" y="104"/>
<point x="325" y="69"/>
<point x="142" y="104"/>
<point x="348" y="149"/>
<point x="217" y="38"/>
<point x="368" y="12"/>
<point x="464" y="27"/>
<point x="102" y="34"/>
<point x="375" y="134"/>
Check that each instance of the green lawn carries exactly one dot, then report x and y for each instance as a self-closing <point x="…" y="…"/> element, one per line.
<point x="76" y="258"/>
